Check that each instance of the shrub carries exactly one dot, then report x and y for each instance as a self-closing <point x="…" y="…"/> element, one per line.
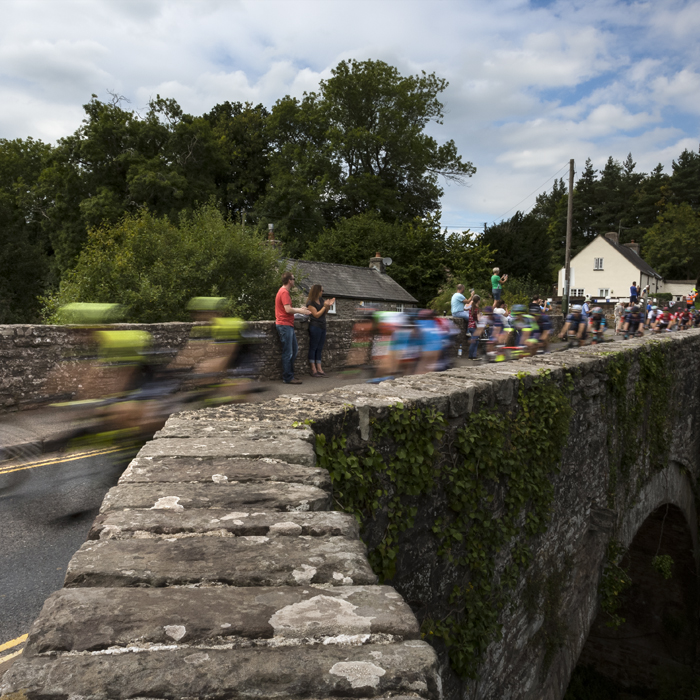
<point x="154" y="267"/>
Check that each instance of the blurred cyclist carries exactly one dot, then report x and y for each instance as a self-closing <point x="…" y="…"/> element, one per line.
<point x="597" y="324"/>
<point x="575" y="326"/>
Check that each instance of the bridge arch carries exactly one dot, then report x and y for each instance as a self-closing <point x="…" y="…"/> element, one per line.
<point x="660" y="636"/>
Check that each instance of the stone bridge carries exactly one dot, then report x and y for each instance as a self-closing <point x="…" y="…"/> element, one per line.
<point x="469" y="534"/>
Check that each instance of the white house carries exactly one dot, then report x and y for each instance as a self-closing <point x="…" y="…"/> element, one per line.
<point x="606" y="269"/>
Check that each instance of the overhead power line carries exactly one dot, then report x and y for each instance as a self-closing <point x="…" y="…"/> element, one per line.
<point x="537" y="189"/>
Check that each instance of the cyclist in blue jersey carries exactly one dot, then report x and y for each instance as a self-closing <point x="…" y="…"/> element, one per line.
<point x="634" y="322"/>
<point x="575" y="325"/>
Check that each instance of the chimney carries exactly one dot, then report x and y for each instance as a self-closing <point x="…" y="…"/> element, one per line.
<point x="377" y="263"/>
<point x="634" y="247"/>
<point x="613" y="236"/>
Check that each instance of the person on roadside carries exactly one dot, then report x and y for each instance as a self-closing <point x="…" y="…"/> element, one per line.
<point x="496" y="283"/>
<point x="634" y="293"/>
<point x="586" y="308"/>
<point x="472" y="326"/>
<point x="318" y="307"/>
<point x="284" y="322"/>
<point x="458" y="303"/>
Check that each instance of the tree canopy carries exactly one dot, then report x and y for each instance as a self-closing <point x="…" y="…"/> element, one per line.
<point x="154" y="266"/>
<point x="424" y="258"/>
<point x="340" y="172"/>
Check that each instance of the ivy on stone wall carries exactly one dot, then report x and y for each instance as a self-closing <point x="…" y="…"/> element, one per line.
<point x="614" y="582"/>
<point x="495" y="474"/>
<point x="500" y="492"/>
<point x="639" y="423"/>
<point x="377" y="481"/>
<point x="639" y="418"/>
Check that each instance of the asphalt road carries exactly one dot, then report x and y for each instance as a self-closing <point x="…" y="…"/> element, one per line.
<point x="46" y="509"/>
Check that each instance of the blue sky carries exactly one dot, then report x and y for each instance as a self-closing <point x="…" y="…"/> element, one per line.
<point x="532" y="84"/>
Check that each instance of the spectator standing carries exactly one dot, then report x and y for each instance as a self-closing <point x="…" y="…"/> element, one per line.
<point x="318" y="307"/>
<point x="586" y="309"/>
<point x="634" y="293"/>
<point x="618" y="312"/>
<point x="284" y="322"/>
<point x="496" y="283"/>
<point x="473" y="322"/>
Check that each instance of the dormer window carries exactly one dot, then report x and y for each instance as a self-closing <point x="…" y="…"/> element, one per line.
<point x="597" y="263"/>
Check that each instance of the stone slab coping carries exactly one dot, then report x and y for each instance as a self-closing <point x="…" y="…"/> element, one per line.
<point x="101" y="618"/>
<point x="287" y="449"/>
<point x="191" y="425"/>
<point x="231" y="561"/>
<point x="213" y="469"/>
<point x="319" y="671"/>
<point x="155" y="523"/>
<point x="265" y="496"/>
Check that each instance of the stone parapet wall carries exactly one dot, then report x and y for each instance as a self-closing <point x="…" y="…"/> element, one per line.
<point x="217" y="568"/>
<point x="35" y="359"/>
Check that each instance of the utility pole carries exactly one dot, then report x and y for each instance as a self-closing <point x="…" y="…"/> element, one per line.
<point x="569" y="223"/>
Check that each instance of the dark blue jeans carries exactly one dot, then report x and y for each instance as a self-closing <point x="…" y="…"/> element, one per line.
<point x="289" y="351"/>
<point x="473" y="345"/>
<point x="317" y="339"/>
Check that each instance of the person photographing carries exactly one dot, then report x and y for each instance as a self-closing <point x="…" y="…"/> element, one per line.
<point x="318" y="308"/>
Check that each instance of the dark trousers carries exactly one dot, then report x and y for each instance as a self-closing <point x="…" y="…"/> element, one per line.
<point x="317" y="339"/>
<point x="289" y="351"/>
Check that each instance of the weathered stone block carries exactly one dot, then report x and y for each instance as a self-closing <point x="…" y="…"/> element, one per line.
<point x="214" y="469"/>
<point x="124" y="524"/>
<point x="100" y="618"/>
<point x="285" y="672"/>
<point x="263" y="496"/>
<point x="232" y="561"/>
<point x="287" y="449"/>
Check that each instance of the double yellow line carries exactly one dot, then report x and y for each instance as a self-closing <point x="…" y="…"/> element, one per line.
<point x="9" y="645"/>
<point x="18" y="467"/>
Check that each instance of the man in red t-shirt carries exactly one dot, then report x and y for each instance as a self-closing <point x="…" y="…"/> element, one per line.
<point x="284" y="322"/>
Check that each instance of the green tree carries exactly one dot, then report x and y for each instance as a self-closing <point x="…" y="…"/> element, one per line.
<point x="672" y="244"/>
<point x="522" y="247"/>
<point x="684" y="185"/>
<point x="424" y="258"/>
<point x="241" y="165"/>
<point x="650" y="197"/>
<point x="358" y="146"/>
<point x="417" y="249"/>
<point x="119" y="162"/>
<point x="25" y="270"/>
<point x="154" y="266"/>
<point x="615" y="210"/>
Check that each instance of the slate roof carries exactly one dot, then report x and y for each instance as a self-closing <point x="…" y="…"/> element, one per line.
<point x="635" y="259"/>
<point x="349" y="281"/>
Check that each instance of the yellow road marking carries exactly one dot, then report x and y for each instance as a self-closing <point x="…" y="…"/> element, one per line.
<point x="61" y="460"/>
<point x="74" y="455"/>
<point x="10" y="656"/>
<point x="13" y="642"/>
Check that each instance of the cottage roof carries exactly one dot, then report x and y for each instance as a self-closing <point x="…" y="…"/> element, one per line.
<point x="636" y="259"/>
<point x="349" y="281"/>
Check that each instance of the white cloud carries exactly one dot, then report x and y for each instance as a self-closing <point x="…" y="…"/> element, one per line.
<point x="529" y="87"/>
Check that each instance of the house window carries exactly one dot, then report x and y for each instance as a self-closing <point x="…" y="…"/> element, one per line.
<point x="399" y="308"/>
<point x="604" y="293"/>
<point x="597" y="263"/>
<point x="332" y="309"/>
<point x="576" y="292"/>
